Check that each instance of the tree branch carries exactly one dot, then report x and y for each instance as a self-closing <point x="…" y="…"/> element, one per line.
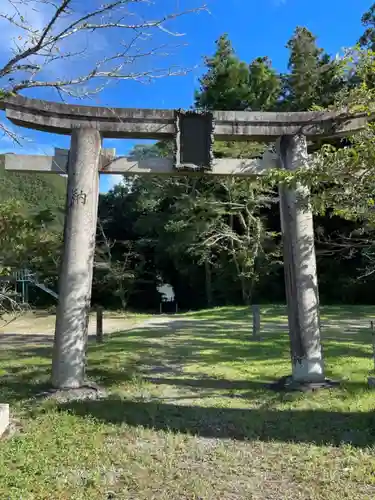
<point x="47" y="44"/>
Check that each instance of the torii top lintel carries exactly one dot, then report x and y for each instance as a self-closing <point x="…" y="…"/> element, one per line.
<point x="141" y="123"/>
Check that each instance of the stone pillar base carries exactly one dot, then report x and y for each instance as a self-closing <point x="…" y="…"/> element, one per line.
<point x="288" y="384"/>
<point x="308" y="370"/>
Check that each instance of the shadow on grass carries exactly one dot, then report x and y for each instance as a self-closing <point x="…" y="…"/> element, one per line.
<point x="20" y="384"/>
<point x="303" y="426"/>
<point x="19" y="340"/>
<point x="170" y="347"/>
<point x="268" y="311"/>
<point x="198" y="342"/>
<point x="345" y="312"/>
<point x="208" y="345"/>
<point x="207" y="383"/>
<point x="43" y="313"/>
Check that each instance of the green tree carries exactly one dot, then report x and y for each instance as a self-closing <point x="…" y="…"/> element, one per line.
<point x="214" y="227"/>
<point x="342" y="178"/>
<point x="264" y="85"/>
<point x="26" y="242"/>
<point x="314" y="78"/>
<point x="232" y="84"/>
<point x="367" y="40"/>
<point x="225" y="85"/>
<point x="35" y="193"/>
<point x="214" y="224"/>
<point x="157" y="150"/>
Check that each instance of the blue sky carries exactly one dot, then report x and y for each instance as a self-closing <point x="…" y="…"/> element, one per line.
<point x="256" y="28"/>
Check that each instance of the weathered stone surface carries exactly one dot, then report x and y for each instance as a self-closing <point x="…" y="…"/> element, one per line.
<point x="4" y="418"/>
<point x="149" y="166"/>
<point x="194" y="140"/>
<point x="75" y="280"/>
<point x="57" y="164"/>
<point x="158" y="123"/>
<point x="301" y="281"/>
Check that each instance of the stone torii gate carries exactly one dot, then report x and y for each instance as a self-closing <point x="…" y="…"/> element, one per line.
<point x="193" y="133"/>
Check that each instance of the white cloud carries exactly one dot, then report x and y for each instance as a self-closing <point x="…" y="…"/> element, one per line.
<point x="109" y="181"/>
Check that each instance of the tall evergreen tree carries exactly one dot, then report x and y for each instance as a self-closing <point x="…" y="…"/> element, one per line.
<point x="314" y="77"/>
<point x="232" y="84"/>
<point x="367" y="40"/>
<point x="225" y="85"/>
<point x="264" y="85"/>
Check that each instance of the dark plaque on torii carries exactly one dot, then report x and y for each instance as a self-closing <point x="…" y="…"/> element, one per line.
<point x="194" y="139"/>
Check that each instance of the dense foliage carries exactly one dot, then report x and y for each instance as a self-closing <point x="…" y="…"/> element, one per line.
<point x="35" y="192"/>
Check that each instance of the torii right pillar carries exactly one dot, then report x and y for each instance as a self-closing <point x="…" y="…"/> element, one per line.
<point x="301" y="281"/>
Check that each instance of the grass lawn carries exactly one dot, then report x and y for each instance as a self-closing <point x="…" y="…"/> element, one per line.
<point x="187" y="416"/>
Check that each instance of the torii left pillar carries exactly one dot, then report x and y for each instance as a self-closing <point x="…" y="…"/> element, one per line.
<point x="75" y="282"/>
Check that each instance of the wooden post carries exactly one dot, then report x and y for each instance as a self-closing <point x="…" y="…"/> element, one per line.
<point x="99" y="325"/>
<point x="373" y="341"/>
<point x="256" y="321"/>
<point x="371" y="380"/>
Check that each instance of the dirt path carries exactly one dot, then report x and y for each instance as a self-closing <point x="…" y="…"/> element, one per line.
<point x="44" y="324"/>
<point x="38" y="328"/>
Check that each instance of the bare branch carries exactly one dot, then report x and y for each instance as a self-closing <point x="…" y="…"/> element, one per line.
<point x="42" y="46"/>
<point x="10" y="308"/>
<point x="8" y="132"/>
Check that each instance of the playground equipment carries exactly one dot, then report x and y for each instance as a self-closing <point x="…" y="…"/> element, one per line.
<point x="26" y="278"/>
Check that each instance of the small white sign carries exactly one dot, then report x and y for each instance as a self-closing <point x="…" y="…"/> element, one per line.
<point x="167" y="292"/>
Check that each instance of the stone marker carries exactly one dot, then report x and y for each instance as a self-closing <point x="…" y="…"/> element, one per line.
<point x="371" y="380"/>
<point x="4" y="418"/>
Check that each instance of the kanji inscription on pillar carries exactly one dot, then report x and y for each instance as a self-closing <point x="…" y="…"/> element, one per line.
<point x="78" y="196"/>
